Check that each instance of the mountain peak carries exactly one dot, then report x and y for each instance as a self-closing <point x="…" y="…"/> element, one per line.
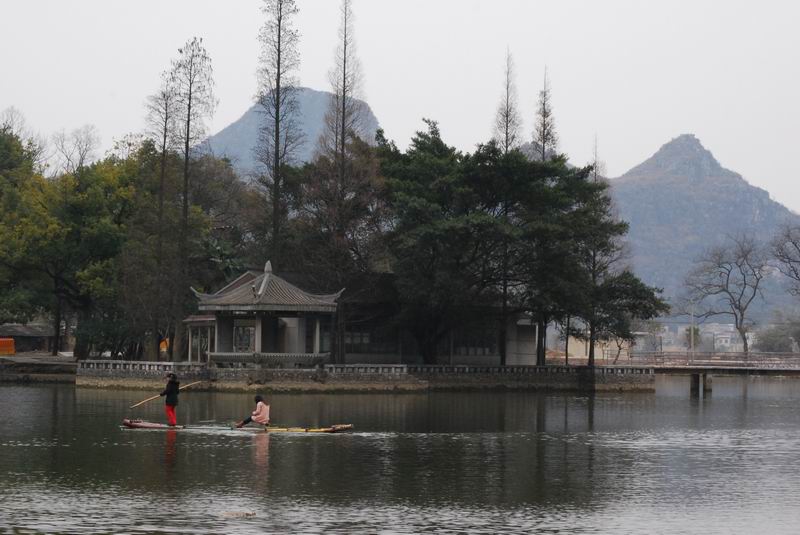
<point x="680" y="202"/>
<point x="238" y="140"/>
<point x="683" y="156"/>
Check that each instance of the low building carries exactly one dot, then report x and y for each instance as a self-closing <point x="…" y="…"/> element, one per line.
<point x="29" y="337"/>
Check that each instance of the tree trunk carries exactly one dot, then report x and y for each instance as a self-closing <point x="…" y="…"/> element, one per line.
<point x="591" y="345"/>
<point x="566" y="344"/>
<point x="504" y="322"/>
<point x="82" y="343"/>
<point x="276" y="163"/>
<point x="339" y="353"/>
<point x="541" y="343"/>
<point x="619" y="352"/>
<point x="178" y="349"/>
<point x="743" y="335"/>
<point x="153" y="347"/>
<point x="56" y="328"/>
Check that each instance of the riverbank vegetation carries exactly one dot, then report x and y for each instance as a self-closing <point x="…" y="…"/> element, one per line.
<point x="113" y="246"/>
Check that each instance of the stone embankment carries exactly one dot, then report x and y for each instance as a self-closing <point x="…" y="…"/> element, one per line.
<point x="37" y="368"/>
<point x="367" y="378"/>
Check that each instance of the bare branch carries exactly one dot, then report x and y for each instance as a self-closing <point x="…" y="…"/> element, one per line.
<point x="76" y="149"/>
<point x="727" y="279"/>
<point x="786" y="250"/>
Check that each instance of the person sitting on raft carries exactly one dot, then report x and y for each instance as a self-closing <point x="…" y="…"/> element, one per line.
<point x="259" y="416"/>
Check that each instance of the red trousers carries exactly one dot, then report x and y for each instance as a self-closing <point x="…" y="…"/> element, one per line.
<point x="170" y="410"/>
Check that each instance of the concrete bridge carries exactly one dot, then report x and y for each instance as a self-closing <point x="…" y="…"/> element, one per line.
<point x="701" y="366"/>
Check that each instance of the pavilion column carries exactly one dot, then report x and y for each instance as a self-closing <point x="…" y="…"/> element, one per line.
<point x="298" y="343"/>
<point x="259" y="328"/>
<point x="316" y="335"/>
<point x="208" y="342"/>
<point x="190" y="342"/>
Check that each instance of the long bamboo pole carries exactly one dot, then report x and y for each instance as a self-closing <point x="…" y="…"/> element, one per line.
<point x="159" y="395"/>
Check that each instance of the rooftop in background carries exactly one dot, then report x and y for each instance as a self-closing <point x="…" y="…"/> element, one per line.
<point x="30" y="330"/>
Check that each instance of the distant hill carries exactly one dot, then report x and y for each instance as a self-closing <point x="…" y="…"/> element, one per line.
<point x="681" y="201"/>
<point x="237" y="140"/>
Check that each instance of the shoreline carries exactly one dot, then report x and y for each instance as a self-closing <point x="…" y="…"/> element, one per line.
<point x="351" y="378"/>
<point x="369" y="378"/>
<point x="351" y="388"/>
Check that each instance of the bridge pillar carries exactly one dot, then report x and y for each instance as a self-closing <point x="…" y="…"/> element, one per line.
<point x="707" y="383"/>
<point x="695" y="384"/>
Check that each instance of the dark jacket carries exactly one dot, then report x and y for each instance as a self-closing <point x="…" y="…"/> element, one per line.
<point x="171" y="391"/>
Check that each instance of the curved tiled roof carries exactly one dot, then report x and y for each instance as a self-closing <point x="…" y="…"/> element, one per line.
<point x="267" y="292"/>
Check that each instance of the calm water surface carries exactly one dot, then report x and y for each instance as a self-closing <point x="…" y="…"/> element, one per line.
<point x="417" y="463"/>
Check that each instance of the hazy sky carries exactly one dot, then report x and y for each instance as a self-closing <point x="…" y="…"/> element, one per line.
<point x="634" y="73"/>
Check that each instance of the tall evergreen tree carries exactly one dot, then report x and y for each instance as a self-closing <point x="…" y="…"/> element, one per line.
<point x="280" y="135"/>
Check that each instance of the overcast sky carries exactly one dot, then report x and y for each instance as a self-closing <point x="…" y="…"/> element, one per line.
<point x="633" y="73"/>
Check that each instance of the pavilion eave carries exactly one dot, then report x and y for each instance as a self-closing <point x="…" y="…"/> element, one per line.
<point x="267" y="308"/>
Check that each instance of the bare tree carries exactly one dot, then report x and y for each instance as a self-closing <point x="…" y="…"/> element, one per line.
<point x="194" y="96"/>
<point x="76" y="149"/>
<point x="126" y="147"/>
<point x="545" y="138"/>
<point x="727" y="279"/>
<point x="508" y="123"/>
<point x="162" y="110"/>
<point x="162" y="129"/>
<point x="786" y="250"/>
<point x="192" y="75"/>
<point x="280" y="135"/>
<point x="345" y="116"/>
<point x="12" y="120"/>
<point x="598" y="166"/>
<point x="335" y="193"/>
<point x="506" y="133"/>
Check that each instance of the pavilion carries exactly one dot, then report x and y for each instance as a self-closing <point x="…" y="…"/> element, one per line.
<point x="261" y="318"/>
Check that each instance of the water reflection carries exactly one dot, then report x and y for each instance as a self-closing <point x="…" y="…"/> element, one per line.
<point x="171" y="436"/>
<point x="497" y="462"/>
<point x="261" y="453"/>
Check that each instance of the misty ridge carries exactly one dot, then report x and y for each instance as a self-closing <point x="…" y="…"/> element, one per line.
<point x="309" y="180"/>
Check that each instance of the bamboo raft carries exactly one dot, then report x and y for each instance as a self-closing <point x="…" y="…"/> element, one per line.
<point x="336" y="428"/>
<point x="141" y="424"/>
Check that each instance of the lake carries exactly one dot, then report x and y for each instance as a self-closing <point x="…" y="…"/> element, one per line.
<point x="472" y="462"/>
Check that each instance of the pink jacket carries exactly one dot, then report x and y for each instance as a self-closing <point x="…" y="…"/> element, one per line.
<point x="261" y="414"/>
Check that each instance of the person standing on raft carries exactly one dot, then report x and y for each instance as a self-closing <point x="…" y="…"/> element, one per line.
<point x="171" y="392"/>
<point x="259" y="416"/>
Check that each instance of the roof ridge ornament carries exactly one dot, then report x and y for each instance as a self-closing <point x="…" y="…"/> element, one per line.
<point x="265" y="281"/>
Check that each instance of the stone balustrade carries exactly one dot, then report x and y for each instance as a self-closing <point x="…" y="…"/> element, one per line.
<point x="270" y="360"/>
<point x="363" y="377"/>
<point x="141" y="369"/>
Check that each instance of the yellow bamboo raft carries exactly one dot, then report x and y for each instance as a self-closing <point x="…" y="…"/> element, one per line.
<point x="336" y="428"/>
